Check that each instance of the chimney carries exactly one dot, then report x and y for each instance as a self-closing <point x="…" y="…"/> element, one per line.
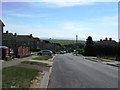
<point x="15" y="34"/>
<point x="106" y="39"/>
<point x="31" y="36"/>
<point x="100" y="39"/>
<point x="110" y="39"/>
<point x="7" y="32"/>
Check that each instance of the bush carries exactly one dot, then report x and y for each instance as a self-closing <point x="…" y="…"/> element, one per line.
<point x="81" y="51"/>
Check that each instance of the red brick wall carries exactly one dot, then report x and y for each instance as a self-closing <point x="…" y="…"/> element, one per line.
<point x="23" y="51"/>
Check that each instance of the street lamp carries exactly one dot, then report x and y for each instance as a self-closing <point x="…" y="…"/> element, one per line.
<point x="76" y="43"/>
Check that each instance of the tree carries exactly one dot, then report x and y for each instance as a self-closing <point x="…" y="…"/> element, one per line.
<point x="46" y="41"/>
<point x="89" y="51"/>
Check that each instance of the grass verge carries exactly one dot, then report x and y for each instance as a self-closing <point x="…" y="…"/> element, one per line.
<point x="18" y="77"/>
<point x="110" y="58"/>
<point x="35" y="63"/>
<point x="42" y="58"/>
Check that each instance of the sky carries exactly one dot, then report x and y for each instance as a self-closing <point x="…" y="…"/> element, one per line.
<point x="62" y="19"/>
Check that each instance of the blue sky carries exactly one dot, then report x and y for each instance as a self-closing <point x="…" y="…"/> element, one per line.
<point x="60" y="20"/>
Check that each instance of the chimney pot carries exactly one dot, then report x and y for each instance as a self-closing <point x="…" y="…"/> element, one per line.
<point x="106" y="38"/>
<point x="7" y="32"/>
<point x="110" y="39"/>
<point x="15" y="34"/>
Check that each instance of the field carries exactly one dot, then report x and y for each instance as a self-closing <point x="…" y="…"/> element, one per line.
<point x="65" y="42"/>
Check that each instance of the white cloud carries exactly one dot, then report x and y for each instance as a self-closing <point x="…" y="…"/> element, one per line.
<point x="62" y="3"/>
<point x="107" y="20"/>
<point x="27" y="15"/>
<point x="75" y="2"/>
<point x="20" y="15"/>
<point x="75" y="26"/>
<point x="36" y="30"/>
<point x="17" y="28"/>
<point x="98" y="28"/>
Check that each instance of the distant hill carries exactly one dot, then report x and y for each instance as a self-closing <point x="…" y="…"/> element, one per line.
<point x="64" y="42"/>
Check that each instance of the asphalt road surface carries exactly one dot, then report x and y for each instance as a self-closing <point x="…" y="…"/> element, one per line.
<point x="71" y="71"/>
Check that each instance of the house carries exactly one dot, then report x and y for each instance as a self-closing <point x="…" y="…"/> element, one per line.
<point x="22" y="45"/>
<point x="15" y="40"/>
<point x="107" y="41"/>
<point x="15" y="45"/>
<point x="33" y="42"/>
<point x="37" y="44"/>
<point x="1" y="25"/>
<point x="9" y="40"/>
<point x="1" y="31"/>
<point x="107" y="47"/>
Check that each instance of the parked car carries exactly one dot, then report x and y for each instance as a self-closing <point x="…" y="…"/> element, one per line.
<point x="45" y="52"/>
<point x="62" y="52"/>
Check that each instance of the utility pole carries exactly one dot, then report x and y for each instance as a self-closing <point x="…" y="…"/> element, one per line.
<point x="76" y="44"/>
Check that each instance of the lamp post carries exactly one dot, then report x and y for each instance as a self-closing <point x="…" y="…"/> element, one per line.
<point x="76" y="43"/>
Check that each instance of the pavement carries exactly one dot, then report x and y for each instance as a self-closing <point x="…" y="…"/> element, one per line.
<point x="71" y="71"/>
<point x="45" y="80"/>
<point x="16" y="61"/>
<point x="104" y="61"/>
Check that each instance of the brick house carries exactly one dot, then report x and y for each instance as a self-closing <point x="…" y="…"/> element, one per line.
<point x="29" y="40"/>
<point x="16" y="41"/>
<point x="1" y="31"/>
<point x="21" y="44"/>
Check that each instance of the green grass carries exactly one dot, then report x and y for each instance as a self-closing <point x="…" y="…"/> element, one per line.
<point x="18" y="76"/>
<point x="33" y="53"/>
<point x="35" y="63"/>
<point x="0" y="78"/>
<point x="64" y="42"/>
<point x="107" y="57"/>
<point x="42" y="58"/>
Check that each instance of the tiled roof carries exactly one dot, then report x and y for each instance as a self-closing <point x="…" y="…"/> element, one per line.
<point x="8" y="36"/>
<point x="2" y="23"/>
<point x="108" y="42"/>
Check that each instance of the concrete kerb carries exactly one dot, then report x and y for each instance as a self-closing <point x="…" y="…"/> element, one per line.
<point x="46" y="77"/>
<point x="45" y="80"/>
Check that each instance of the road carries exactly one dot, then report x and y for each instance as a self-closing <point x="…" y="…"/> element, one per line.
<point x="71" y="71"/>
